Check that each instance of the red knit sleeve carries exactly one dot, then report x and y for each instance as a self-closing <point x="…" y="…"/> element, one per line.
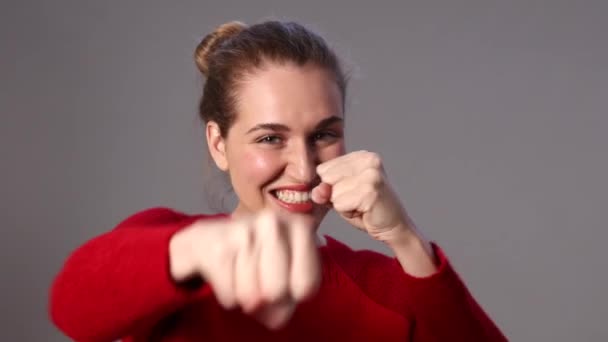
<point x="439" y="307"/>
<point x="119" y="282"/>
<point x="443" y="308"/>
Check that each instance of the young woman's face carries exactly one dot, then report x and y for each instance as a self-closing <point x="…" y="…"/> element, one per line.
<point x="289" y="120"/>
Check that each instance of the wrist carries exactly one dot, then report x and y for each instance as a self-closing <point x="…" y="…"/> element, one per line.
<point x="403" y="234"/>
<point x="414" y="252"/>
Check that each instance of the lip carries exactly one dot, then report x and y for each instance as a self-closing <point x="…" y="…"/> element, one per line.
<point x="294" y="187"/>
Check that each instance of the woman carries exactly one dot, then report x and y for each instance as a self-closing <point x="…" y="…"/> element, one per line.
<point x="273" y="108"/>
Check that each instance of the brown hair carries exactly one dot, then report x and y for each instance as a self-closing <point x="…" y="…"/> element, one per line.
<point x="226" y="55"/>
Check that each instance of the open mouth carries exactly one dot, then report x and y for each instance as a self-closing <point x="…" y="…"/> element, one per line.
<point x="293" y="200"/>
<point x="292" y="196"/>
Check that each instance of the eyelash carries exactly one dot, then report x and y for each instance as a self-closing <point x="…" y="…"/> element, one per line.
<point x="272" y="139"/>
<point x="265" y="139"/>
<point x="326" y="134"/>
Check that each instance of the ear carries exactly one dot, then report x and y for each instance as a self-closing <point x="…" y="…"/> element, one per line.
<point x="217" y="145"/>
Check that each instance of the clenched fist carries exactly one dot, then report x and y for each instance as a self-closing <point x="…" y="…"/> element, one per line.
<point x="265" y="264"/>
<point x="355" y="185"/>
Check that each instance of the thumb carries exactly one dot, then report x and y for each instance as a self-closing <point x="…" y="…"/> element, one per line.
<point x="321" y="194"/>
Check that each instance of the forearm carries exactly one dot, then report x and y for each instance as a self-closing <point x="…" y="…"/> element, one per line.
<point x="413" y="251"/>
<point x="118" y="281"/>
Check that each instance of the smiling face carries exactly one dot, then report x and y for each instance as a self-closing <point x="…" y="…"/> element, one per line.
<point x="289" y="119"/>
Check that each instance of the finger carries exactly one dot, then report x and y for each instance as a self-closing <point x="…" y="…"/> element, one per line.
<point x="348" y="165"/>
<point x="338" y="172"/>
<point x="276" y="315"/>
<point x="305" y="276"/>
<point x="220" y="276"/>
<point x="246" y="286"/>
<point x="347" y="202"/>
<point x="353" y="197"/>
<point x="321" y="194"/>
<point x="338" y="160"/>
<point x="357" y="188"/>
<point x="350" y="185"/>
<point x="273" y="265"/>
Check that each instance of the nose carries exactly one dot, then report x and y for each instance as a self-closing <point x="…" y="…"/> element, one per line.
<point x="302" y="162"/>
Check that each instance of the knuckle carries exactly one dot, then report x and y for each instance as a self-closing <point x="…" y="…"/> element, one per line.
<point x="274" y="291"/>
<point x="275" y="316"/>
<point x="209" y="256"/>
<point x="369" y="189"/>
<point x="237" y="232"/>
<point x="273" y="228"/>
<point x="240" y="234"/>
<point x="375" y="177"/>
<point x="305" y="287"/>
<point x="224" y="297"/>
<point x="374" y="159"/>
<point x="267" y="223"/>
<point x="372" y="198"/>
<point x="245" y="296"/>
<point x="339" y="206"/>
<point x="228" y="303"/>
<point x="298" y="227"/>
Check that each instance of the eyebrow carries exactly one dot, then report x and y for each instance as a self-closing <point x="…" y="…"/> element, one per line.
<point x="277" y="127"/>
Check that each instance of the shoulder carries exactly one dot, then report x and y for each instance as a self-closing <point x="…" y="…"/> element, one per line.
<point x="163" y="215"/>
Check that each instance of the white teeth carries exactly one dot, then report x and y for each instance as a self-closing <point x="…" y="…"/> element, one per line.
<point x="291" y="196"/>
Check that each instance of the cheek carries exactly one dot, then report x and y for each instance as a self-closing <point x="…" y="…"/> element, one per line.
<point x="341" y="149"/>
<point x="333" y="151"/>
<point x="258" y="167"/>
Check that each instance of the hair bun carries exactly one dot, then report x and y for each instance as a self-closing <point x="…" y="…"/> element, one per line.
<point x="211" y="41"/>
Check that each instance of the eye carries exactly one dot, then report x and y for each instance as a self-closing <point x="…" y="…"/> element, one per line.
<point x="324" y="135"/>
<point x="270" y="139"/>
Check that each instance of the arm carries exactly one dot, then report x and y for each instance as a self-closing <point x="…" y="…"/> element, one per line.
<point x="441" y="306"/>
<point x="119" y="282"/>
<point x="438" y="306"/>
<point x="425" y="292"/>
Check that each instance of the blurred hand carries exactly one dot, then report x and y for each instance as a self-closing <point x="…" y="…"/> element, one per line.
<point x="264" y="264"/>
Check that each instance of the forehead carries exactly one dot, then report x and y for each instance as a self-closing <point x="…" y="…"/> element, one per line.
<point x="288" y="94"/>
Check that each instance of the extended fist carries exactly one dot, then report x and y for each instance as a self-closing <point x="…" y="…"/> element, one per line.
<point x="264" y="264"/>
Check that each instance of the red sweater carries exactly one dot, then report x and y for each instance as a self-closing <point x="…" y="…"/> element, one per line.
<point x="118" y="286"/>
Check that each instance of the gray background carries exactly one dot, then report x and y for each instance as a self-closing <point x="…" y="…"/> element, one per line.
<point x="490" y="116"/>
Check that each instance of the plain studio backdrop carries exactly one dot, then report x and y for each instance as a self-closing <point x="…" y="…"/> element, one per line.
<point x="490" y="117"/>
